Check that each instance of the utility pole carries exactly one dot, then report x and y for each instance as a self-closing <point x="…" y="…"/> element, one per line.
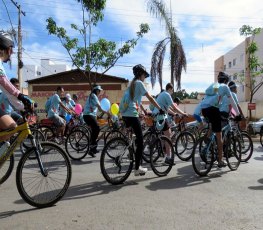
<point x="19" y="41"/>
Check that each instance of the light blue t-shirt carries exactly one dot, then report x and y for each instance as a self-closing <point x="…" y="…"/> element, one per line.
<point x="54" y="107"/>
<point x="91" y="106"/>
<point x="72" y="103"/>
<point x="198" y="109"/>
<point x="216" y="99"/>
<point x="140" y="91"/>
<point x="62" y="112"/>
<point x="165" y="100"/>
<point x="226" y="104"/>
<point x="5" y="104"/>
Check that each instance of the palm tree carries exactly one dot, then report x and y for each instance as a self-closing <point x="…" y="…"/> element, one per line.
<point x="177" y="55"/>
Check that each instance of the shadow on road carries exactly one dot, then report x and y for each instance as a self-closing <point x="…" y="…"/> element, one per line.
<point x="259" y="187"/>
<point x="186" y="178"/>
<point x="13" y="212"/>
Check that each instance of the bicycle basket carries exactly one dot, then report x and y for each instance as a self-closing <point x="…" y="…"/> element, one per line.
<point x="148" y="120"/>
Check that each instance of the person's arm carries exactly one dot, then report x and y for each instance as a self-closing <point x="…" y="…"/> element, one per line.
<point x="178" y="110"/>
<point x="152" y="100"/>
<point x="143" y="109"/>
<point x="64" y="107"/>
<point x="11" y="92"/>
<point x="99" y="107"/>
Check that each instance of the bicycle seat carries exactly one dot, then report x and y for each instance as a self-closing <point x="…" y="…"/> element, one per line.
<point x="46" y="121"/>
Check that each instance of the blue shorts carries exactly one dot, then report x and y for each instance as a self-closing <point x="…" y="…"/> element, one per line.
<point x="198" y="118"/>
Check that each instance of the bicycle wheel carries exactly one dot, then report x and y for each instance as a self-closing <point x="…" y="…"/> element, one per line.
<point x="116" y="163"/>
<point x="112" y="134"/>
<point x="26" y="144"/>
<point x="148" y="140"/>
<point x="232" y="152"/>
<point x="184" y="145"/>
<point x="247" y="147"/>
<point x="6" y="168"/>
<point x="203" y="157"/>
<point x="48" y="133"/>
<point x="35" y="188"/>
<point x="77" y="144"/>
<point x="261" y="136"/>
<point x="158" y="156"/>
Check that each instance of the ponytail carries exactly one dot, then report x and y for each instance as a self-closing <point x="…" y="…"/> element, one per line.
<point x="132" y="87"/>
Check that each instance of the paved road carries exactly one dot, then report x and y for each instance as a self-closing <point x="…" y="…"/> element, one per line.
<point x="182" y="200"/>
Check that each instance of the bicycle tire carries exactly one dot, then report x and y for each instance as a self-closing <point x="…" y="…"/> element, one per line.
<point x="203" y="156"/>
<point x="247" y="147"/>
<point x="26" y="143"/>
<point x="261" y="137"/>
<point x="77" y="144"/>
<point x="157" y="156"/>
<point x="54" y="160"/>
<point x="232" y="152"/>
<point x="148" y="138"/>
<point x="48" y="132"/>
<point x="112" y="134"/>
<point x="117" y="166"/>
<point x="6" y="168"/>
<point x="184" y="145"/>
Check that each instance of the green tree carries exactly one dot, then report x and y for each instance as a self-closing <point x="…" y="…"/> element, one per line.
<point x="177" y="55"/>
<point x="85" y="54"/>
<point x="252" y="77"/>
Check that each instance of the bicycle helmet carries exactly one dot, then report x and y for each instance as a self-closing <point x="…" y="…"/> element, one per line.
<point x="232" y="85"/>
<point x="160" y="121"/>
<point x="138" y="70"/>
<point x="223" y="77"/>
<point x="6" y="40"/>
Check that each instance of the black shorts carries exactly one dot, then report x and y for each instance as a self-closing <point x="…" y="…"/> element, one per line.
<point x="213" y="115"/>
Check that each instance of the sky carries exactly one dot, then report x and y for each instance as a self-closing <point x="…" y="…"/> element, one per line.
<point x="207" y="29"/>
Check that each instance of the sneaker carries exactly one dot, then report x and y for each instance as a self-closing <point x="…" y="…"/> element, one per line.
<point x="169" y="161"/>
<point x="140" y="172"/>
<point x="221" y="164"/>
<point x="92" y="154"/>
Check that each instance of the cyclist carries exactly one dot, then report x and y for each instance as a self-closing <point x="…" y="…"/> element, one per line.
<point x="165" y="100"/>
<point x="210" y="109"/>
<point x="53" y="111"/>
<point x="6" y="105"/>
<point x="90" y="117"/>
<point x="130" y="114"/>
<point x="12" y="93"/>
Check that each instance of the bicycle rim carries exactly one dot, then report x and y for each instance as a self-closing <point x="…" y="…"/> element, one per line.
<point x="184" y="146"/>
<point x="43" y="191"/>
<point x="6" y="168"/>
<point x="233" y="153"/>
<point x="202" y="158"/>
<point x="77" y="144"/>
<point x="247" y="147"/>
<point x="158" y="156"/>
<point x="116" y="163"/>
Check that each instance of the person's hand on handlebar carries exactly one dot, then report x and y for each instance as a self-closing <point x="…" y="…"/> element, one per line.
<point x="28" y="103"/>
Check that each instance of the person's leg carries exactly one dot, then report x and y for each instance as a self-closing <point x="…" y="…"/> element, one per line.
<point x="6" y="122"/>
<point x="167" y="132"/>
<point x="95" y="129"/>
<point x="135" y="124"/>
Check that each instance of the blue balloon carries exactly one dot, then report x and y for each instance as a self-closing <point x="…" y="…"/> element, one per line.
<point x="105" y="104"/>
<point x="68" y="117"/>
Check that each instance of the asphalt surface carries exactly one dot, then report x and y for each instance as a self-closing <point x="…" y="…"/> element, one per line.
<point x="181" y="200"/>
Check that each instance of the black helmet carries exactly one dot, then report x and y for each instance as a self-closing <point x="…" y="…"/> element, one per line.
<point x="138" y="70"/>
<point x="223" y="76"/>
<point x="6" y="40"/>
<point x="232" y="85"/>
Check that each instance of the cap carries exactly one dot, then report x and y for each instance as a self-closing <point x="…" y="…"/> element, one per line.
<point x="68" y="96"/>
<point x="97" y="87"/>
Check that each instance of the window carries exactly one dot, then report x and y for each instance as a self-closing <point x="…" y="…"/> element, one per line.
<point x="234" y="61"/>
<point x="229" y="64"/>
<point x="38" y="73"/>
<point x="224" y="67"/>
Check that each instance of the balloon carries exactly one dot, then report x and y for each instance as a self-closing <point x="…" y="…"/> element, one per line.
<point x="114" y="109"/>
<point x="78" y="109"/>
<point x="105" y="104"/>
<point x="68" y="117"/>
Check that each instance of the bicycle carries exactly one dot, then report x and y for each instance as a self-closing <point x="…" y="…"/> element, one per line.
<point x="78" y="145"/>
<point x="205" y="151"/>
<point x="44" y="171"/>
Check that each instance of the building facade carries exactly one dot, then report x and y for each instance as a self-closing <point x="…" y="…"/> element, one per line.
<point x="235" y="63"/>
<point x="75" y="82"/>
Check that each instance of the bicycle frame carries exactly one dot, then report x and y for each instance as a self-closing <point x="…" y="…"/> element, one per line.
<point x="23" y="131"/>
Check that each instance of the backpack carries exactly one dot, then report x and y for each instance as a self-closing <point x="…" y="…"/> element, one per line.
<point x="48" y="104"/>
<point x="212" y="89"/>
<point x="125" y="101"/>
